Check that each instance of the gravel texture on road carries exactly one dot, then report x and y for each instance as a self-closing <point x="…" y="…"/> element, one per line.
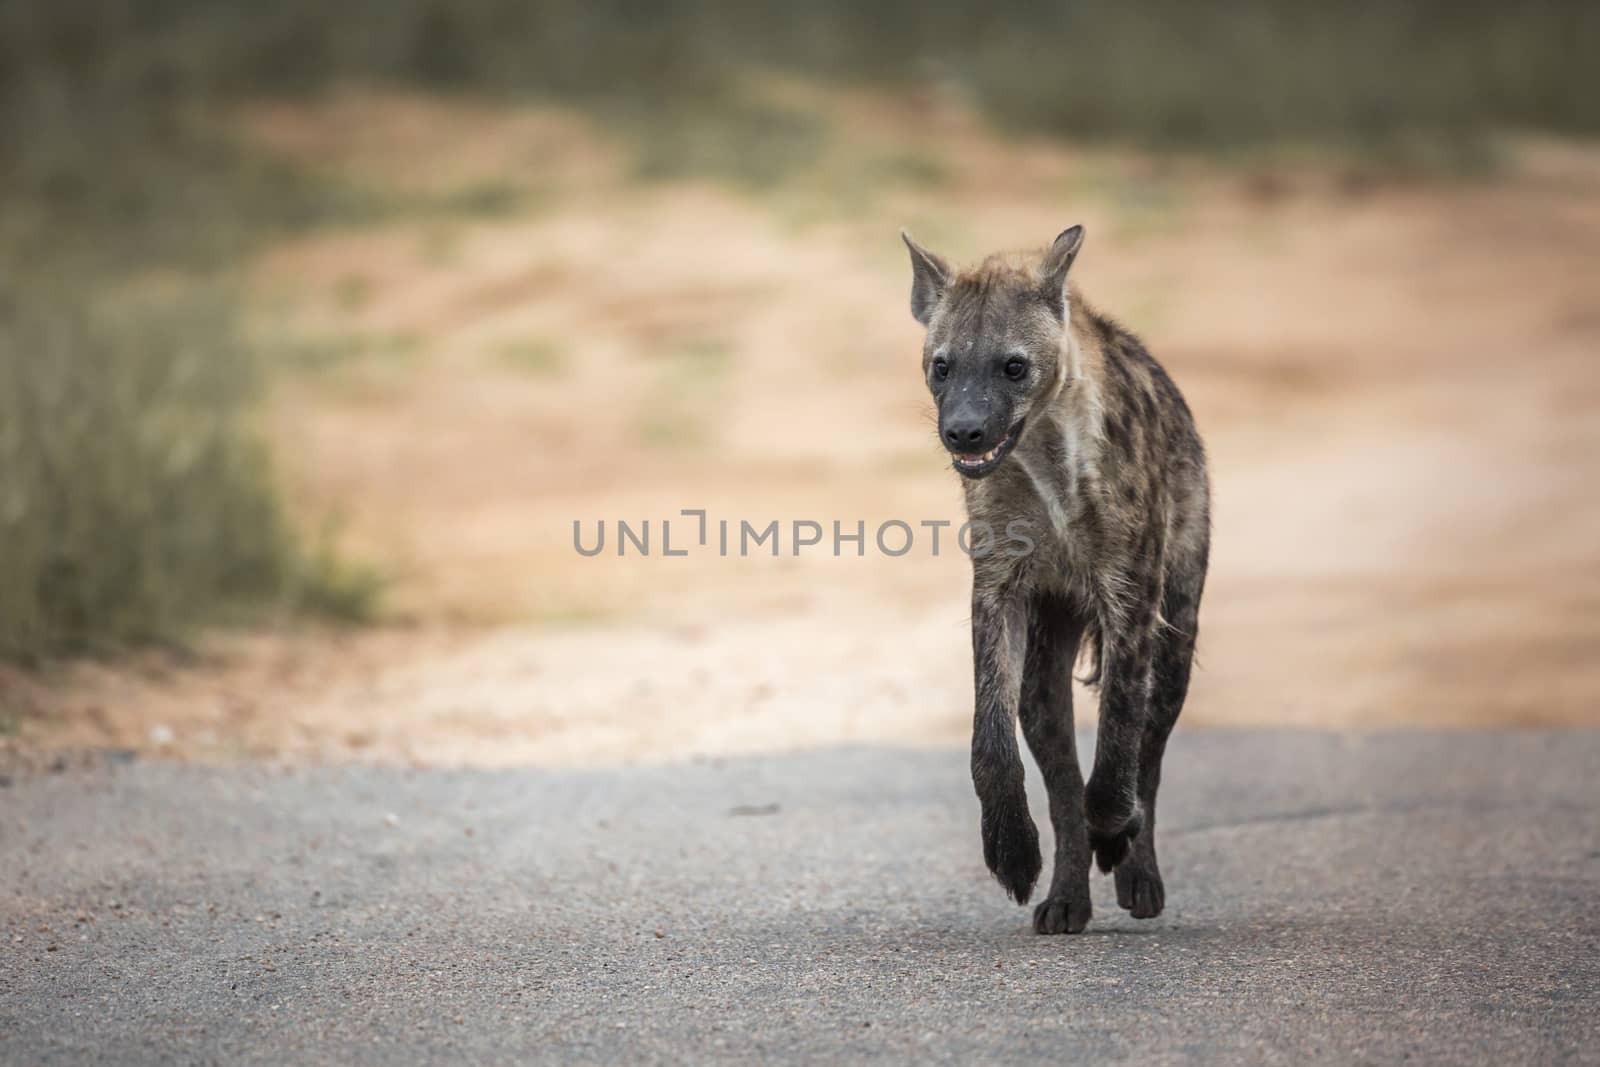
<point x="1330" y="897"/>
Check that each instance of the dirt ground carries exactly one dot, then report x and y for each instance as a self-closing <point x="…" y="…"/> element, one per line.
<point x="1396" y="377"/>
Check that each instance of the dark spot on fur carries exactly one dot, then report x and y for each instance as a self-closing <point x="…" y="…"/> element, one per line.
<point x="1146" y="405"/>
<point x="1117" y="430"/>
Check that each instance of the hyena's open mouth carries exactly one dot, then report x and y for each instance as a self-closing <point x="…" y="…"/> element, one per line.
<point x="976" y="466"/>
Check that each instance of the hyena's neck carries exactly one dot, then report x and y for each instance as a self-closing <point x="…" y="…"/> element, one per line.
<point x="1079" y="401"/>
<point x="1061" y="452"/>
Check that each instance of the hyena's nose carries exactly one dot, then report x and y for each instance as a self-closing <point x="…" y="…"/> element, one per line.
<point x="963" y="435"/>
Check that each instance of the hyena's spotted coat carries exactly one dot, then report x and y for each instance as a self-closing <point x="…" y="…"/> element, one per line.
<point x="1057" y="417"/>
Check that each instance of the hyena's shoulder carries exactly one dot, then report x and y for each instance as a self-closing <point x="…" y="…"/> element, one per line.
<point x="1153" y="460"/>
<point x="1140" y="399"/>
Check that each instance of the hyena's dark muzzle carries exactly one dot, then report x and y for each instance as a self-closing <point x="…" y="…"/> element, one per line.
<point x="977" y="430"/>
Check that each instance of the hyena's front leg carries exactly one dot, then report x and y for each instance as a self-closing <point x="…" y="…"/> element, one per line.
<point x="1111" y="801"/>
<point x="1010" y="841"/>
<point x="1054" y="630"/>
<point x="1139" y="885"/>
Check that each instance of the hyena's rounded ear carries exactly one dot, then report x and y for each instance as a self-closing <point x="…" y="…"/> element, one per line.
<point x="1057" y="261"/>
<point x="929" y="277"/>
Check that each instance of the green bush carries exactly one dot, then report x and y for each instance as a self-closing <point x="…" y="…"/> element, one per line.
<point x="1166" y="71"/>
<point x="136" y="497"/>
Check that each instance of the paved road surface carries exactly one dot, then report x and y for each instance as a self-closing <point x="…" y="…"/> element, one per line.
<point x="1332" y="898"/>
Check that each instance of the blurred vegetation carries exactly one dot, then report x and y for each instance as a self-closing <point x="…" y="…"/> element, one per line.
<point x="540" y="356"/>
<point x="1161" y="71"/>
<point x="687" y="388"/>
<point x="136" y="498"/>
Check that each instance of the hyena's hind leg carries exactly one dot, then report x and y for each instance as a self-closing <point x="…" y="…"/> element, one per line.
<point x="1054" y="630"/>
<point x="1139" y="886"/>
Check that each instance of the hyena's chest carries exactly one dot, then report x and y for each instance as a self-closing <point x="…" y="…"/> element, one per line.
<point x="1048" y="531"/>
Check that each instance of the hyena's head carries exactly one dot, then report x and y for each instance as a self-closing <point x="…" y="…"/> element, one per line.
<point x="995" y="348"/>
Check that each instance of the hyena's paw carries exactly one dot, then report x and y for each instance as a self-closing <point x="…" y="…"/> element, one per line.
<point x="1111" y="849"/>
<point x="1139" y="888"/>
<point x="1061" y="915"/>
<point x="1011" y="849"/>
<point x="1114" y="820"/>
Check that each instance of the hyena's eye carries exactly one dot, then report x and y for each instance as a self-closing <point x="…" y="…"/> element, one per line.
<point x="941" y="369"/>
<point x="1016" y="368"/>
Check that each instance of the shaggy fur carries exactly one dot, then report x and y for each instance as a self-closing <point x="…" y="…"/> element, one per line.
<point x="1096" y="450"/>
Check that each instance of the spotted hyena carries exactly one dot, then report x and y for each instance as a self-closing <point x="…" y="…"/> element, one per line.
<point x="1055" y="415"/>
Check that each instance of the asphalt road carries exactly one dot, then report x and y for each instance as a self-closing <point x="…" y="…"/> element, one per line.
<point x="1330" y="898"/>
